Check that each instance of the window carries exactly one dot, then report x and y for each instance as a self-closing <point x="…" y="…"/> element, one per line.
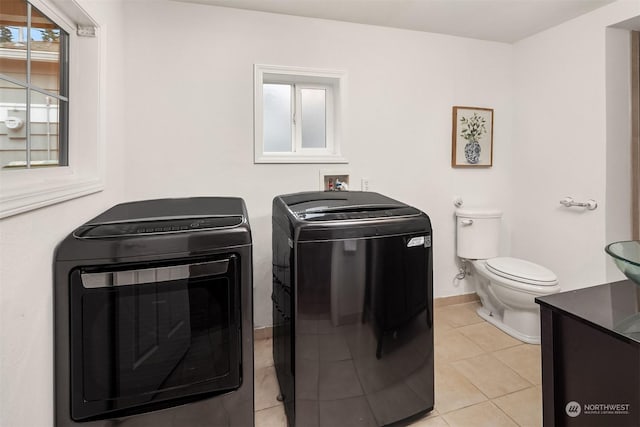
<point x="33" y="88"/>
<point x="298" y="115"/>
<point x="51" y="96"/>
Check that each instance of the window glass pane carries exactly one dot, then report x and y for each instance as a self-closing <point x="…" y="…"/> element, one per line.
<point x="13" y="116"/>
<point x="313" y="118"/>
<point x="277" y="117"/>
<point x="45" y="135"/>
<point x="13" y="39"/>
<point x="45" y="52"/>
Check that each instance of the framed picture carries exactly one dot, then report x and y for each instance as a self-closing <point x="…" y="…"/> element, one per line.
<point x="472" y="137"/>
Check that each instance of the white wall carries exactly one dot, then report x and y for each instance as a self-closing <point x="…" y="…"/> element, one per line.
<point x="190" y="115"/>
<point x="560" y="144"/>
<point x="27" y="243"/>
<point x="182" y="83"/>
<point x="618" y="190"/>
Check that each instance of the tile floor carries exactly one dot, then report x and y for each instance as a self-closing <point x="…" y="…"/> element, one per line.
<point x="483" y="377"/>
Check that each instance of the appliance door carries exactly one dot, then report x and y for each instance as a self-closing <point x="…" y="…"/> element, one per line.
<point x="147" y="333"/>
<point x="364" y="337"/>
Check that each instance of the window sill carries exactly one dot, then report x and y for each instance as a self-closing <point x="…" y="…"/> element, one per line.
<point x="14" y="201"/>
<point x="284" y="158"/>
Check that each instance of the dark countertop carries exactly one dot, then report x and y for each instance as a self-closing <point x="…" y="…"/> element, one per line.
<point x="613" y="307"/>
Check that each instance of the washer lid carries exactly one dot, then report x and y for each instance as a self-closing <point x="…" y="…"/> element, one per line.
<point x="345" y="205"/>
<point x="521" y="270"/>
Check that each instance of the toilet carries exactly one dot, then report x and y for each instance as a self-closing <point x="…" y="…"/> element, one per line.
<point x="507" y="287"/>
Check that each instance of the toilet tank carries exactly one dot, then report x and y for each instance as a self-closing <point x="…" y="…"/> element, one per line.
<point x="478" y="233"/>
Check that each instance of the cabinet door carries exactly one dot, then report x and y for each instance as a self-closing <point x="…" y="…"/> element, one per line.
<point x="589" y="378"/>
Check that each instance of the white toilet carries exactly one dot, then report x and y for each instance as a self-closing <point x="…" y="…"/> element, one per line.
<point x="507" y="287"/>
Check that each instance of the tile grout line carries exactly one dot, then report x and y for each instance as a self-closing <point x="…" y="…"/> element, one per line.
<point x="509" y="394"/>
<point x="441" y="415"/>
<point x="505" y="365"/>
<point x="491" y="353"/>
<point x="505" y="414"/>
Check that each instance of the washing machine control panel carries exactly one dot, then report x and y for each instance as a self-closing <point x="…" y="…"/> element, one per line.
<point x="160" y="226"/>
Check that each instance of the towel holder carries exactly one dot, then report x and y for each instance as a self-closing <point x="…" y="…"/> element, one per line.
<point x="569" y="202"/>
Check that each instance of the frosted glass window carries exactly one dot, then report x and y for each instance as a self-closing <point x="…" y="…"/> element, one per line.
<point x="277" y="117"/>
<point x="313" y="104"/>
<point x="297" y="114"/>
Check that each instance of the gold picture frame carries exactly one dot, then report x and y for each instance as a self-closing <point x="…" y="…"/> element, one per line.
<point x="472" y="137"/>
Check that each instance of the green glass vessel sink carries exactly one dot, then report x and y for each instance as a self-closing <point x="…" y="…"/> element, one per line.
<point x="627" y="257"/>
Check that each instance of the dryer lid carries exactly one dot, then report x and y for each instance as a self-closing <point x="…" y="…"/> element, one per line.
<point x="521" y="270"/>
<point x="162" y="216"/>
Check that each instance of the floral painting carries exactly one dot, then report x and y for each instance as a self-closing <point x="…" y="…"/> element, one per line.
<point x="472" y="137"/>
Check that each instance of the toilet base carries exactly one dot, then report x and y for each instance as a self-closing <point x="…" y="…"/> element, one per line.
<point x="498" y="323"/>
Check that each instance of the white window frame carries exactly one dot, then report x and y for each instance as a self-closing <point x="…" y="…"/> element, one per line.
<point x="27" y="189"/>
<point x="333" y="81"/>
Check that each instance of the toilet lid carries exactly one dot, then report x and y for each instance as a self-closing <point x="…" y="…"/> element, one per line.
<point x="521" y="271"/>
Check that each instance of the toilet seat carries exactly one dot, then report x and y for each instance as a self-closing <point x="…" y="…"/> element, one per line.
<point x="521" y="271"/>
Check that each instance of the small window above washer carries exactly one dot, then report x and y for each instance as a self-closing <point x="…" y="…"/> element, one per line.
<point x="298" y="115"/>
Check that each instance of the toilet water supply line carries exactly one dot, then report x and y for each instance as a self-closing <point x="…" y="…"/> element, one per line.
<point x="462" y="271"/>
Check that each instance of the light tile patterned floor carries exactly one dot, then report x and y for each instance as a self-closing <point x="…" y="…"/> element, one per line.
<point x="483" y="377"/>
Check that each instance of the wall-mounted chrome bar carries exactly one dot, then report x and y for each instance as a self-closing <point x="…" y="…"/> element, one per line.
<point x="569" y="202"/>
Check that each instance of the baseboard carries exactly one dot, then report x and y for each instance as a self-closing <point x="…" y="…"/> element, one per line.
<point x="455" y="299"/>
<point x="263" y="333"/>
<point x="266" y="332"/>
